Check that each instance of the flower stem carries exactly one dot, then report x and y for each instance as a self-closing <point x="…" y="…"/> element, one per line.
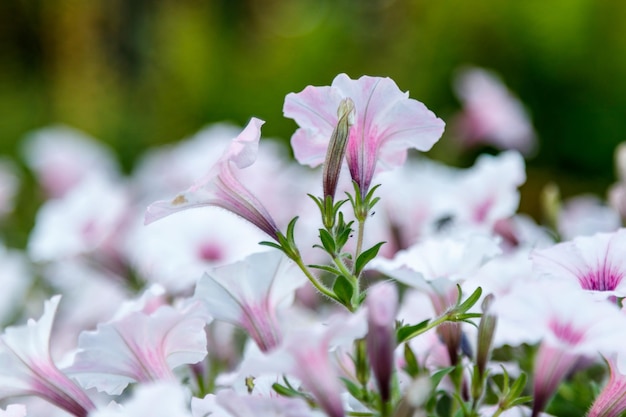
<point x="318" y="285"/>
<point x="359" y="239"/>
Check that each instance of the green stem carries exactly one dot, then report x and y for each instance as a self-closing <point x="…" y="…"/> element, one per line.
<point x="343" y="269"/>
<point x="318" y="285"/>
<point x="385" y="409"/>
<point x="359" y="239"/>
<point x="356" y="294"/>
<point x="431" y="325"/>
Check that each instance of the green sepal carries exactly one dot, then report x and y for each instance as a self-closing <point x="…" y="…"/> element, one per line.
<point x="342" y="231"/>
<point x="318" y="201"/>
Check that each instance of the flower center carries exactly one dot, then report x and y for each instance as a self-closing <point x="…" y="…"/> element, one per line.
<point x="210" y="252"/>
<point x="566" y="333"/>
<point x="604" y="279"/>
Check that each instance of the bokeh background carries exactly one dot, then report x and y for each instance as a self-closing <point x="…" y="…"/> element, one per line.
<point x="137" y="73"/>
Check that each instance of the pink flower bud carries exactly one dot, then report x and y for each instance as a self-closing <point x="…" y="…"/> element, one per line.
<point x="382" y="303"/>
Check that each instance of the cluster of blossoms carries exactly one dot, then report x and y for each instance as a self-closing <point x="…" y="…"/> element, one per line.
<point x="383" y="285"/>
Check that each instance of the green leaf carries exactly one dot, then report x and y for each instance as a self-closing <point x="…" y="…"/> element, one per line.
<point x="343" y="289"/>
<point x="518" y="386"/>
<point x="353" y="388"/>
<point x="411" y="367"/>
<point x="467" y="316"/>
<point x="365" y="257"/>
<point x="290" y="228"/>
<point x="342" y="238"/>
<point x="284" y="391"/>
<point x="436" y="377"/>
<point x="272" y="245"/>
<point x="318" y="201"/>
<point x="521" y="400"/>
<point x="326" y="268"/>
<point x="471" y="300"/>
<point x="327" y="241"/>
<point x="405" y="333"/>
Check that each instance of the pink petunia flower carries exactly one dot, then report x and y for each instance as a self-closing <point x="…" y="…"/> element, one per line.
<point x="611" y="402"/>
<point x="586" y="215"/>
<point x="222" y="188"/>
<point x="28" y="369"/>
<point x="595" y="263"/>
<point x="158" y="399"/>
<point x="14" y="410"/>
<point x="491" y="113"/>
<point x="249" y="293"/>
<point x="140" y="347"/>
<point x="84" y="221"/>
<point x="569" y="323"/>
<point x="62" y="157"/>
<point x="387" y="122"/>
<point x="228" y="403"/>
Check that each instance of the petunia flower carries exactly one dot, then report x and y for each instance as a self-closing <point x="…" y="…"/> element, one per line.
<point x="194" y="243"/>
<point x="62" y="157"/>
<point x="140" y="347"/>
<point x="611" y="402"/>
<point x="437" y="264"/>
<point x="386" y="123"/>
<point x="596" y="263"/>
<point x="435" y="267"/>
<point x="28" y="369"/>
<point x="307" y="354"/>
<point x="83" y="221"/>
<point x="228" y="403"/>
<point x="569" y="323"/>
<point x="158" y="399"/>
<point x="491" y="113"/>
<point x="14" y="410"/>
<point x="488" y="191"/>
<point x="586" y="215"/>
<point x="248" y="294"/>
<point x="222" y="188"/>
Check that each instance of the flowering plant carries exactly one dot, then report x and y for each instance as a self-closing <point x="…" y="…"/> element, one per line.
<point x="444" y="303"/>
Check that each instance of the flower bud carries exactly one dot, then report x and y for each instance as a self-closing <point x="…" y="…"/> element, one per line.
<point x="337" y="147"/>
<point x="382" y="303"/>
<point x="486" y="330"/>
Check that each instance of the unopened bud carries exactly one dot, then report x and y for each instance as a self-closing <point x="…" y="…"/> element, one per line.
<point x="486" y="330"/>
<point x="337" y="147"/>
<point x="382" y="304"/>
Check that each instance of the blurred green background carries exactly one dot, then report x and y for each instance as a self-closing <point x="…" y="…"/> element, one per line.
<point x="136" y="73"/>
